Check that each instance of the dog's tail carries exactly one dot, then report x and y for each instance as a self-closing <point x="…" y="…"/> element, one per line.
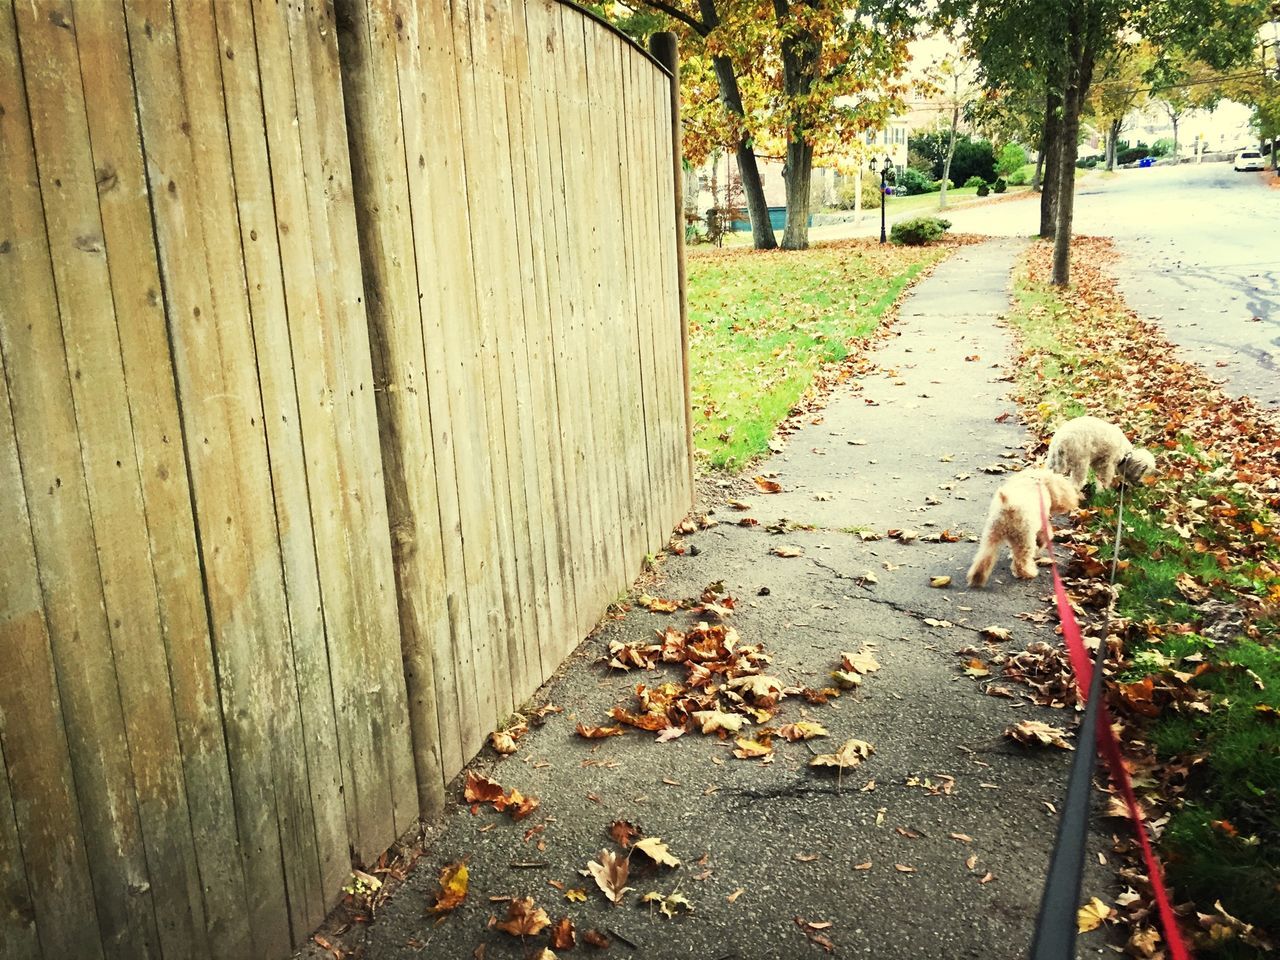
<point x="988" y="549"/>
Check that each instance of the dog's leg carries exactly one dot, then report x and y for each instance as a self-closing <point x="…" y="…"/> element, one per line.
<point x="988" y="551"/>
<point x="1024" y="555"/>
<point x="1106" y="471"/>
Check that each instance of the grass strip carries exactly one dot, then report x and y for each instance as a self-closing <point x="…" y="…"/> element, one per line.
<point x="763" y="324"/>
<point x="1198" y="686"/>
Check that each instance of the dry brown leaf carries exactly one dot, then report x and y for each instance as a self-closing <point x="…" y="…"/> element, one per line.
<point x="996" y="633"/>
<point x="903" y="868"/>
<point x="765" y="485"/>
<point x="714" y="720"/>
<point x="1038" y="733"/>
<point x="863" y="661"/>
<point x="624" y="833"/>
<point x="597" y="733"/>
<point x="562" y="935"/>
<point x="524" y="918"/>
<point x="503" y="742"/>
<point x="850" y="755"/>
<point x="611" y="874"/>
<point x="804" y="730"/>
<point x="787" y="552"/>
<point x="596" y="939"/>
<point x="480" y="789"/>
<point x="733" y="897"/>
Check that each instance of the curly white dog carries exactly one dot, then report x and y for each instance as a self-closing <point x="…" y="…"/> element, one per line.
<point x="1014" y="518"/>
<point x="1091" y="442"/>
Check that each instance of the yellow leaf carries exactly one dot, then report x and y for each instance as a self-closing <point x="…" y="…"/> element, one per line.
<point x="751" y="749"/>
<point x="657" y="851"/>
<point x="1091" y="915"/>
<point x="453" y="887"/>
<point x="939" y="581"/>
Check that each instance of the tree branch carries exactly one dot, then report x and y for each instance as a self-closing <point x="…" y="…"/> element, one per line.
<point x="677" y="14"/>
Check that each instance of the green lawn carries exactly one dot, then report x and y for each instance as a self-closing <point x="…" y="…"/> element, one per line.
<point x="762" y="323"/>
<point x="1199" y="589"/>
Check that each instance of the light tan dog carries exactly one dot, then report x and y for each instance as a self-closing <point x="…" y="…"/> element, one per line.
<point x="1014" y="518"/>
<point x="1088" y="442"/>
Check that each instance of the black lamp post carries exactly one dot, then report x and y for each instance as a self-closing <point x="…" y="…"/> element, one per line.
<point x="886" y="174"/>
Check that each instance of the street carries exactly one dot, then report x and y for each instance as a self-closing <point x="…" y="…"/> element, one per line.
<point x="1198" y="255"/>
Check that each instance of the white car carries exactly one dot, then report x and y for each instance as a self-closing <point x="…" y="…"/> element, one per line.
<point x="1250" y="160"/>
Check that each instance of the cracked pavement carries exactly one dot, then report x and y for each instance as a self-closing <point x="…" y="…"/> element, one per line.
<point x="908" y="448"/>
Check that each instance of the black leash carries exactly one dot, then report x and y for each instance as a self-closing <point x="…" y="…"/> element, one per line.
<point x="1056" y="925"/>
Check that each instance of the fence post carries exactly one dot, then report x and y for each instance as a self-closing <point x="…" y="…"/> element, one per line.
<point x="664" y="49"/>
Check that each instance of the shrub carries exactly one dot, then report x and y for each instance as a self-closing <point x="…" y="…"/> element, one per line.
<point x="1132" y="154"/>
<point x="1012" y="157"/>
<point x="846" y="193"/>
<point x="911" y="182"/>
<point x="1018" y="178"/>
<point x="1162" y="147"/>
<point x="971" y="157"/>
<point x="1000" y="186"/>
<point x="1088" y="163"/>
<point x="983" y="189"/>
<point x="918" y="231"/>
<point x="937" y="185"/>
<point x="975" y="181"/>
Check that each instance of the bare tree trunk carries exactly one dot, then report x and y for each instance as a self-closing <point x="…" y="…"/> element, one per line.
<point x="762" y="234"/>
<point x="798" y="177"/>
<point x="951" y="152"/>
<point x="801" y="51"/>
<point x="1113" y="138"/>
<point x="1050" y="154"/>
<point x="1035" y="177"/>
<point x="1066" y="191"/>
<point x="1175" y="138"/>
<point x="1079" y="74"/>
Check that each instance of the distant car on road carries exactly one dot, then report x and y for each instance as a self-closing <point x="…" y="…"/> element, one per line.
<point x="1250" y="160"/>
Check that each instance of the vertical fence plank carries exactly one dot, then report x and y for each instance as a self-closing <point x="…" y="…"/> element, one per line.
<point x="533" y="202"/>
<point x="69" y="186"/>
<point x="544" y="49"/>
<point x="48" y="446"/>
<point x="371" y="653"/>
<point x="215" y="372"/>
<point x="392" y="300"/>
<point x="18" y="936"/>
<point x="487" y="243"/>
<point x="582" y="290"/>
<point x="543" y="578"/>
<point x="451" y="337"/>
<point x="153" y="409"/>
<point x="46" y="898"/>
<point x="287" y="438"/>
<point x="636" y="249"/>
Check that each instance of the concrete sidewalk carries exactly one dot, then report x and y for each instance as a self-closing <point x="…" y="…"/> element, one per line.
<point x="764" y="843"/>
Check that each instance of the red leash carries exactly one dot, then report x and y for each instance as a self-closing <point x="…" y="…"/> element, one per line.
<point x="1082" y="666"/>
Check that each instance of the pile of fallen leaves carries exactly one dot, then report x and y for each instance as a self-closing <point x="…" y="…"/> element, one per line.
<point x="721" y="686"/>
<point x="1211" y="513"/>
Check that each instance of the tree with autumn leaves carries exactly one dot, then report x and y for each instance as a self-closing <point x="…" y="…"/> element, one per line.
<point x="1058" y="49"/>
<point x="795" y="80"/>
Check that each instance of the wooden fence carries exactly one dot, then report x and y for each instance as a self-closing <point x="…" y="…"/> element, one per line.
<point x="342" y="354"/>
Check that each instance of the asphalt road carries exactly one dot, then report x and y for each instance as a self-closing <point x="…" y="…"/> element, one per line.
<point x="1200" y="256"/>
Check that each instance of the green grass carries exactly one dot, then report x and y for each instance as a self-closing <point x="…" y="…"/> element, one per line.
<point x="1222" y="841"/>
<point x="763" y="323"/>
